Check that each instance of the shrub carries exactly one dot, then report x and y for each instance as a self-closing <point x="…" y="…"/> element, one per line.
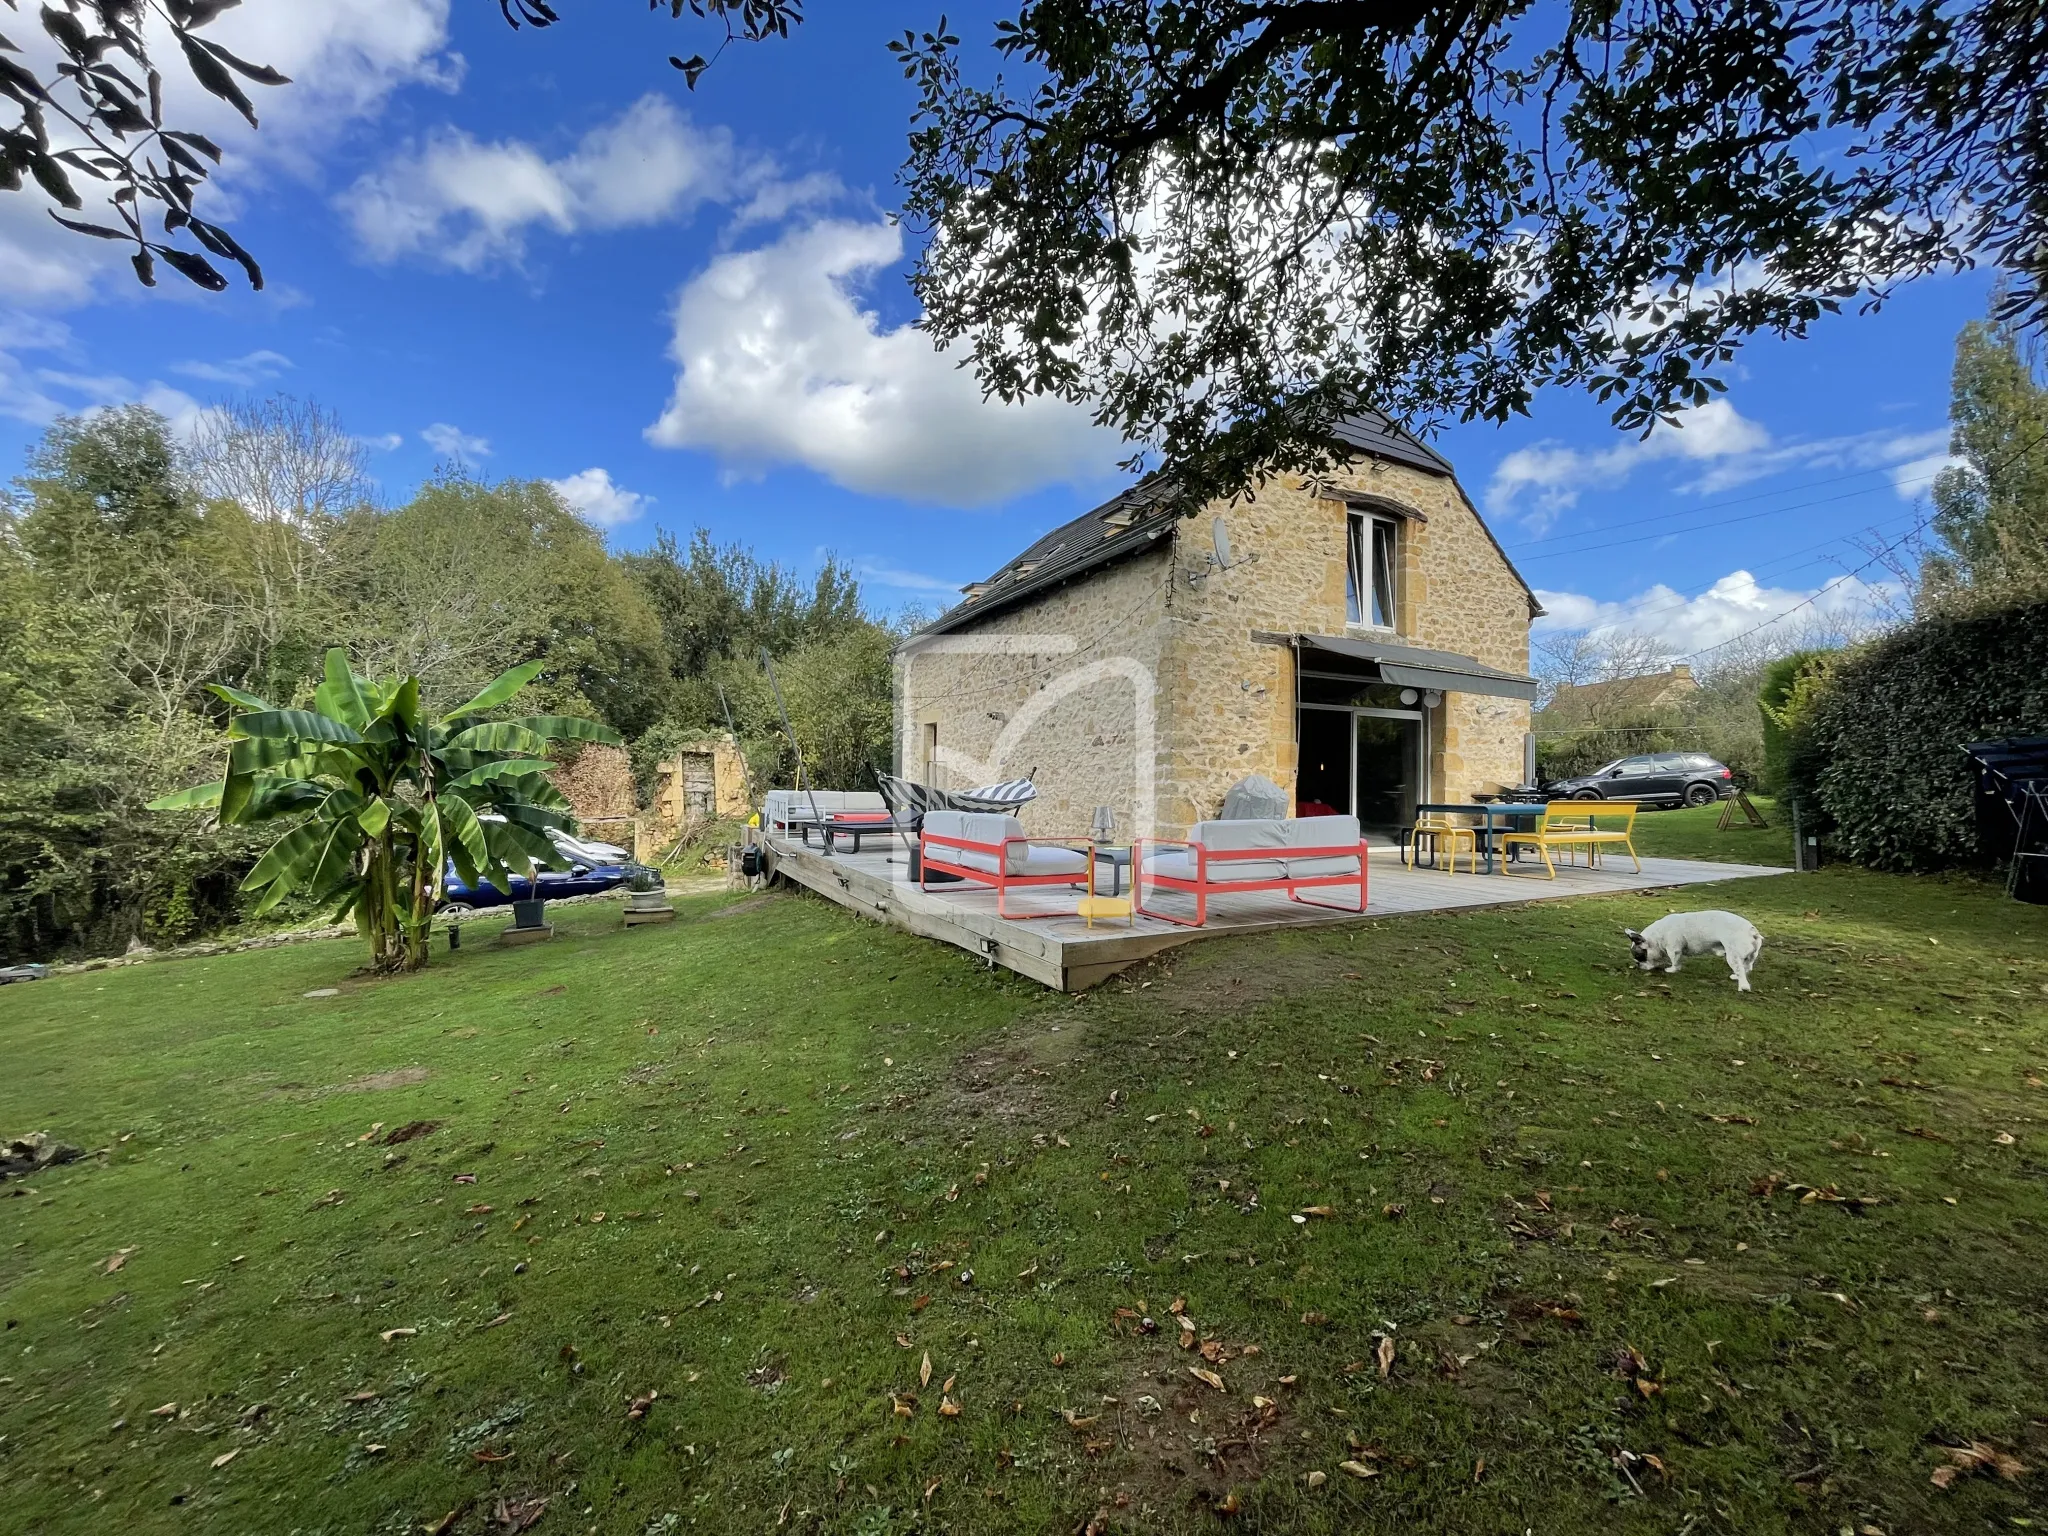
<point x="1877" y="746"/>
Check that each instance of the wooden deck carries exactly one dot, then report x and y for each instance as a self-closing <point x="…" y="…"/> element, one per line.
<point x="1065" y="953"/>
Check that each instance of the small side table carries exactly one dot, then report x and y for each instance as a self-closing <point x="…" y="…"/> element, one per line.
<point x="1118" y="860"/>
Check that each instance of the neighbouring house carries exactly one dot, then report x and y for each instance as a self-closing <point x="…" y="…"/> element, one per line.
<point x="1359" y="637"/>
<point x="1625" y="696"/>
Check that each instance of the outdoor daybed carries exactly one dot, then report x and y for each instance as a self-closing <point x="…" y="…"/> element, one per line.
<point x="1224" y="858"/>
<point x="992" y="850"/>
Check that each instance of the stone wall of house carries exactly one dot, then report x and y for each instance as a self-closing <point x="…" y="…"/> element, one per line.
<point x="1139" y="688"/>
<point x="1061" y="687"/>
<point x="1233" y="694"/>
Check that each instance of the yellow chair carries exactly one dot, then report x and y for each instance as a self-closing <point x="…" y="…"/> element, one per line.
<point x="1444" y="834"/>
<point x="1583" y="824"/>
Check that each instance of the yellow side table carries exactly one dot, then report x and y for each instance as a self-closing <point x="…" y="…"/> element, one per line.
<point x="1091" y="907"/>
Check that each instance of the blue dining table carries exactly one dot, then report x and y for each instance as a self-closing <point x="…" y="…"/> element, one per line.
<point x="1486" y="814"/>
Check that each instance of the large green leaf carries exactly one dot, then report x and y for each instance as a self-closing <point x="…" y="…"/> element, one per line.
<point x="297" y="725"/>
<point x="290" y="861"/>
<point x="500" y="688"/>
<point x="374" y="817"/>
<point x="500" y="736"/>
<point x="472" y="852"/>
<point x="568" y="728"/>
<point x="198" y="797"/>
<point x="340" y="694"/>
<point x="516" y="847"/>
<point x="272" y="795"/>
<point x="504" y="769"/>
<point x="403" y="706"/>
<point x="236" y="696"/>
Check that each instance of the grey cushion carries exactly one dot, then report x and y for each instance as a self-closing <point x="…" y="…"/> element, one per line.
<point x="986" y="827"/>
<point x="1254" y="798"/>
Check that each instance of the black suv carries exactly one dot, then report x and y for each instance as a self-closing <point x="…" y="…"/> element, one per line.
<point x="1654" y="778"/>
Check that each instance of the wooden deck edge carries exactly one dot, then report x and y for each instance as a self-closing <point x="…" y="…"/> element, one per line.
<point x="1049" y="960"/>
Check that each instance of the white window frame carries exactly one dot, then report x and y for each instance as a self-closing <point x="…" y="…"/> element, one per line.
<point x="1363" y="588"/>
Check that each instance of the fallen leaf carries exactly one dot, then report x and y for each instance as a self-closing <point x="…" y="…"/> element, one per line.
<point x="1384" y="1353"/>
<point x="518" y="1514"/>
<point x="1358" y="1469"/>
<point x="1074" y="1420"/>
<point x="948" y="1408"/>
<point x="465" y="1178"/>
<point x="1313" y="1319"/>
<point x="478" y="1210"/>
<point x="225" y="1457"/>
<point x="640" y="1405"/>
<point x="1317" y="1479"/>
<point x="1229" y="1504"/>
<point x="924" y="1371"/>
<point x="1318" y="1210"/>
<point x="2005" y="1138"/>
<point x="167" y="1411"/>
<point x="1207" y="1378"/>
<point x="119" y="1259"/>
<point x="1977" y="1456"/>
<point x="397" y="1333"/>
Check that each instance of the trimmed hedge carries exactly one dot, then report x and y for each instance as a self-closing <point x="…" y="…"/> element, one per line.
<point x="1878" y="749"/>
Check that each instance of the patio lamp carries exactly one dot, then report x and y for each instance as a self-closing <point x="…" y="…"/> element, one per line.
<point x="1104" y="826"/>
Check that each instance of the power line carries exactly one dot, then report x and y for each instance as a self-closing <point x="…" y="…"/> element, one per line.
<point x="1725" y="522"/>
<point x="1731" y="501"/>
<point x="2011" y="458"/>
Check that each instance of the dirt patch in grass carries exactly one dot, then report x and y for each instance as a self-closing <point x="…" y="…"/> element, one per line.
<point x="397" y="1077"/>
<point x="1171" y="1441"/>
<point x="1012" y="1079"/>
<point x="741" y="908"/>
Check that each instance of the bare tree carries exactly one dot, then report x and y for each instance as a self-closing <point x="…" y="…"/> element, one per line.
<point x="283" y="459"/>
<point x="293" y="468"/>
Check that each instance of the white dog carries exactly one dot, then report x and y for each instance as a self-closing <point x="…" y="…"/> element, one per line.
<point x="1670" y="939"/>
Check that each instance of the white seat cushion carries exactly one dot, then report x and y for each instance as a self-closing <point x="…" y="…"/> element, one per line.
<point x="987" y="827"/>
<point x="1323" y="832"/>
<point x="1240" y="837"/>
<point x="1179" y="864"/>
<point x="1330" y="865"/>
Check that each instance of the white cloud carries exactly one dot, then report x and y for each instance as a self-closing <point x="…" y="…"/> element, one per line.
<point x="593" y="495"/>
<point x="1732" y="605"/>
<point x="884" y="573"/>
<point x="467" y="203"/>
<point x="780" y="364"/>
<point x="1552" y="475"/>
<point x="454" y="443"/>
<point x="1536" y="483"/>
<point x="344" y="61"/>
<point x="244" y="372"/>
<point x="385" y="442"/>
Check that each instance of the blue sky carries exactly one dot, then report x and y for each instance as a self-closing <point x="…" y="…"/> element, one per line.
<point x="538" y="253"/>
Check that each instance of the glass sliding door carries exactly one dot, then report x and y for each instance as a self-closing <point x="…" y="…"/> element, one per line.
<point x="1389" y="770"/>
<point x="1367" y="762"/>
<point x="1322" y="785"/>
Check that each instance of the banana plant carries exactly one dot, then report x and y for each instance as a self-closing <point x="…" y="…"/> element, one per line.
<point x="381" y="798"/>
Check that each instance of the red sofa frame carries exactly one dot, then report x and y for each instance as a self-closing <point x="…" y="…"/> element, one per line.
<point x="1202" y="887"/>
<point x="1000" y="877"/>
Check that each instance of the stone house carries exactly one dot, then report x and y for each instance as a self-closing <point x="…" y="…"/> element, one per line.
<point x="1360" y="638"/>
<point x="1625" y="697"/>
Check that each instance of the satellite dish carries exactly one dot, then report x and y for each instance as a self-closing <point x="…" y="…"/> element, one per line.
<point x="1220" y="536"/>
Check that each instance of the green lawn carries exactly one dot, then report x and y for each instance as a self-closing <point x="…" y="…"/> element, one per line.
<point x="1560" y="1262"/>
<point x="1696" y="834"/>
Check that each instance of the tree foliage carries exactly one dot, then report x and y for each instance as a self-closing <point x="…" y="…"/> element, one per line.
<point x="134" y="573"/>
<point x="1225" y="224"/>
<point x="381" y="796"/>
<point x="1876" y="748"/>
<point x="1991" y="508"/>
<point x="85" y="104"/>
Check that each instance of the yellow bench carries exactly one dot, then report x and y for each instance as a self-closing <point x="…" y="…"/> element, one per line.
<point x="1567" y="825"/>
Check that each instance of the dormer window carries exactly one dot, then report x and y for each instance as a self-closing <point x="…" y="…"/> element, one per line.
<point x="1120" y="519"/>
<point x="974" y="589"/>
<point x="1024" y="568"/>
<point x="1369" y="570"/>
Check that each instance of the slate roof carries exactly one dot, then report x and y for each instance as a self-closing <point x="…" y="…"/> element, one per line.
<point x="1135" y="519"/>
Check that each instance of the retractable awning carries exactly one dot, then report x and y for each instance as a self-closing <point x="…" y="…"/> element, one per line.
<point x="1411" y="666"/>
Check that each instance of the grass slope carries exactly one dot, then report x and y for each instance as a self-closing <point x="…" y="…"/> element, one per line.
<point x="1569" y="1278"/>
